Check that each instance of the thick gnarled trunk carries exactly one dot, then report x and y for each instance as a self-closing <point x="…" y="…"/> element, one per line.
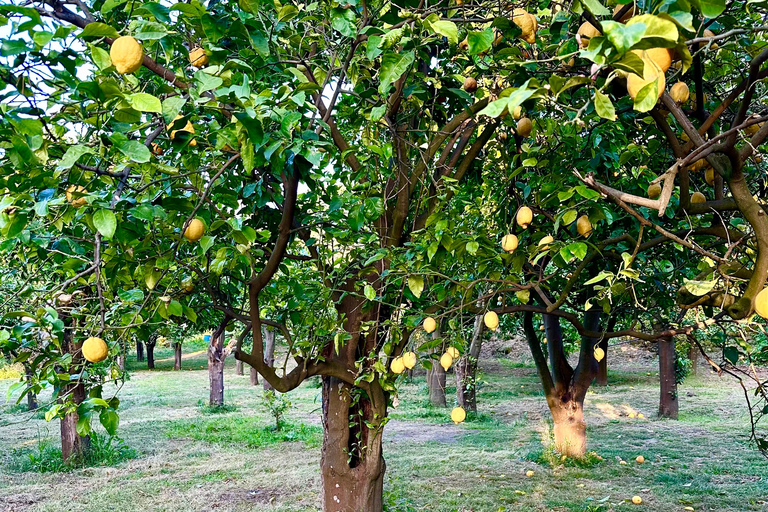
<point x="570" y="429"/>
<point x="352" y="464"/>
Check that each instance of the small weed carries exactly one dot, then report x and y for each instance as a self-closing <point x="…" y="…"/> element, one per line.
<point x="205" y="408"/>
<point x="104" y="450"/>
<point x="276" y="405"/>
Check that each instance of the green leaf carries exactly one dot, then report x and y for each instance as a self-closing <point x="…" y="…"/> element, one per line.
<point x="344" y="20"/>
<point x="99" y="30"/>
<point x="206" y="82"/>
<point x="416" y="285"/>
<point x="480" y="42"/>
<point x="109" y="420"/>
<point x="710" y="8"/>
<point x="369" y="292"/>
<point x="134" y="150"/>
<point x="495" y="108"/>
<point x="171" y="107"/>
<point x="623" y="37"/>
<point x="595" y="7"/>
<point x="151" y="30"/>
<point x="599" y="277"/>
<point x="647" y="97"/>
<point x="472" y="247"/>
<point x="105" y="222"/>
<point x="100" y="57"/>
<point x="569" y="217"/>
<point x="393" y="66"/>
<point x="443" y="27"/>
<point x="658" y="31"/>
<point x="578" y="249"/>
<point x="145" y="102"/>
<point x="699" y="288"/>
<point x="604" y="107"/>
<point x="731" y="354"/>
<point x="250" y="6"/>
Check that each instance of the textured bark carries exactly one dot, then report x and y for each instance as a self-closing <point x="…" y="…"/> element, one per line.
<point x="570" y="429"/>
<point x="436" y="379"/>
<point x="139" y="351"/>
<point x="269" y="352"/>
<point x="121" y="361"/>
<point x="177" y="356"/>
<point x="693" y="355"/>
<point x="668" y="404"/>
<point x="31" y="396"/>
<point x="352" y="464"/>
<point x="216" y="370"/>
<point x="239" y="368"/>
<point x="254" y="377"/>
<point x="73" y="446"/>
<point x="151" y="354"/>
<point x="466" y="369"/>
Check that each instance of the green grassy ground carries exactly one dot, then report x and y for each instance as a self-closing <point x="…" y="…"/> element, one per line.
<point x="193" y="460"/>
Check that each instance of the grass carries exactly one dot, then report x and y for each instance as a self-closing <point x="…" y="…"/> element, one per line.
<point x="231" y="459"/>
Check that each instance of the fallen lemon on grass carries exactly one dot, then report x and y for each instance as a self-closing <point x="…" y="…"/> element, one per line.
<point x="95" y="349"/>
<point x="195" y="230"/>
<point x="640" y="459"/>
<point x="458" y="415"/>
<point x="529" y="473"/>
<point x="126" y="55"/>
<point x="637" y="500"/>
<point x="429" y="324"/>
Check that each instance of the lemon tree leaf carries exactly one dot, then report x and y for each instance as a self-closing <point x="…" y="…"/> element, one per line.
<point x="416" y="285"/>
<point x="105" y="222"/>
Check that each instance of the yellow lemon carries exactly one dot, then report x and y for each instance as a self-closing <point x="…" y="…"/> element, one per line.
<point x="654" y="191"/>
<point x="509" y="243"/>
<point x="446" y="361"/>
<point x="126" y="54"/>
<point x="583" y="226"/>
<point x="524" y="217"/>
<point x="698" y="197"/>
<point x="453" y="352"/>
<point x="599" y="354"/>
<point x="397" y="366"/>
<point x="195" y="230"/>
<point x="631" y="12"/>
<point x="661" y="56"/>
<point x="429" y="324"/>
<point x="75" y="195"/>
<point x="640" y="459"/>
<point x="527" y="23"/>
<point x="709" y="33"/>
<point x="95" y="349"/>
<point x="680" y="92"/>
<point x="637" y="500"/>
<point x="458" y="415"/>
<point x="524" y="127"/>
<point x="529" y="473"/>
<point x="189" y="128"/>
<point x="586" y="32"/>
<point x="544" y="243"/>
<point x="651" y="72"/>
<point x="709" y="175"/>
<point x="491" y="320"/>
<point x="188" y="285"/>
<point x="761" y="303"/>
<point x="198" y="57"/>
<point x="409" y="359"/>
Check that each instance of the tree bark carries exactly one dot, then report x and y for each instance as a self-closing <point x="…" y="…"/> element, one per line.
<point x="31" y="396"/>
<point x="693" y="355"/>
<point x="269" y="353"/>
<point x="668" y="404"/>
<point x="602" y="366"/>
<point x="139" y="351"/>
<point x="151" y="354"/>
<point x="436" y="379"/>
<point x="73" y="446"/>
<point x="239" y="368"/>
<point x="255" y="377"/>
<point x="570" y="429"/>
<point x="216" y="370"/>
<point x="352" y="464"/>
<point x="466" y="369"/>
<point x="177" y="356"/>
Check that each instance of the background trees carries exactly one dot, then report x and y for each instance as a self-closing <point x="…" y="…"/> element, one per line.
<point x="348" y="181"/>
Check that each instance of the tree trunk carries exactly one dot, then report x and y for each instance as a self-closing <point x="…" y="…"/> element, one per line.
<point x="177" y="356"/>
<point x="139" y="351"/>
<point x="352" y="464"/>
<point x="668" y="406"/>
<point x="570" y="429"/>
<point x="269" y="353"/>
<point x="216" y="370"/>
<point x="466" y="369"/>
<point x="239" y="368"/>
<point x="602" y="366"/>
<point x="121" y="362"/>
<point x="151" y="355"/>
<point x="31" y="396"/>
<point x="693" y="355"/>
<point x="73" y="446"/>
<point x="255" y="377"/>
<point x="436" y="379"/>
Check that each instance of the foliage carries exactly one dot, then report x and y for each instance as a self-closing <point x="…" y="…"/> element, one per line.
<point x="277" y="405"/>
<point x="206" y="408"/>
<point x="242" y="431"/>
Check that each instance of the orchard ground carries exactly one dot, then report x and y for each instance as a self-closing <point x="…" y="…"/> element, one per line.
<point x="191" y="459"/>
